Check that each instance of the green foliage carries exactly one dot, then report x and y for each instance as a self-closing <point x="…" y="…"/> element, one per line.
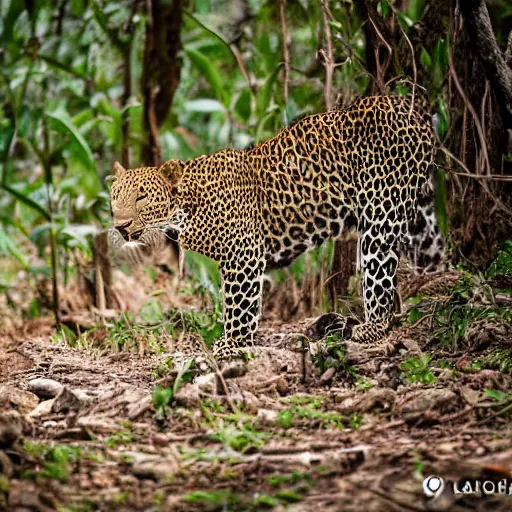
<point x="418" y="369"/>
<point x="307" y="408"/>
<point x="241" y="440"/>
<point x="213" y="499"/>
<point x="163" y="396"/>
<point x="500" y="359"/>
<point x="118" y="438"/>
<point x="502" y="265"/>
<point x="498" y="396"/>
<point x="55" y="461"/>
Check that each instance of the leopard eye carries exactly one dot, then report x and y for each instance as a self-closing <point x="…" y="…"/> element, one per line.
<point x="140" y="198"/>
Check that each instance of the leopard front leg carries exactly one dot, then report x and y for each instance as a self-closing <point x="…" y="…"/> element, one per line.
<point x="241" y="294"/>
<point x="379" y="256"/>
<point x="379" y="261"/>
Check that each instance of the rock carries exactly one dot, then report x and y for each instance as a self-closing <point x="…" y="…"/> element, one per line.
<point x="374" y="398"/>
<point x="234" y="369"/>
<point x="206" y="383"/>
<point x="267" y="416"/>
<point x="188" y="396"/>
<point x="24" y="495"/>
<point x="327" y="375"/>
<point x="66" y="401"/>
<point x="45" y="388"/>
<point x="356" y="353"/>
<point x="17" y="399"/>
<point x="138" y="408"/>
<point x="6" y="468"/>
<point x="340" y="395"/>
<point x="153" y="466"/>
<point x="429" y="399"/>
<point x="42" y="409"/>
<point x="471" y="396"/>
<point x="282" y="386"/>
<point x="11" y="428"/>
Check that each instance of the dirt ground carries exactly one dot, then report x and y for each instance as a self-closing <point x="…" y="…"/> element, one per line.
<point x="81" y="429"/>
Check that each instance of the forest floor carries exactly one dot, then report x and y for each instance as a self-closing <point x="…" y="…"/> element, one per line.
<point x="86" y="428"/>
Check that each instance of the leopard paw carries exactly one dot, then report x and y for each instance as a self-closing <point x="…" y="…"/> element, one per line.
<point x="329" y="324"/>
<point x="223" y="351"/>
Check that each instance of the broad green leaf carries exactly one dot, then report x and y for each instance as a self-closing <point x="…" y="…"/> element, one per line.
<point x="265" y="93"/>
<point x="211" y="74"/>
<point x="79" y="233"/>
<point x="131" y="107"/>
<point x="261" y="125"/>
<point x="83" y="117"/>
<point x="206" y="105"/>
<point x="442" y="118"/>
<point x="243" y="104"/>
<point x="8" y="247"/>
<point x="6" y="136"/>
<point x="415" y="9"/>
<point x="383" y="8"/>
<point x="425" y="59"/>
<point x="405" y="21"/>
<point x="23" y="124"/>
<point x="64" y="124"/>
<point x="202" y="6"/>
<point x="13" y="13"/>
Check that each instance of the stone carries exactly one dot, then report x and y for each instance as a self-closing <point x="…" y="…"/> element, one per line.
<point x="17" y="399"/>
<point x="43" y="409"/>
<point x="11" y="428"/>
<point x="66" y="401"/>
<point x="45" y="388"/>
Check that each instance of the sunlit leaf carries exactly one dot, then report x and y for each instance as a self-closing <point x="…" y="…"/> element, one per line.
<point x="415" y="9"/>
<point x="14" y="11"/>
<point x="210" y="73"/>
<point x="8" y="247"/>
<point x="79" y="233"/>
<point x="206" y="105"/>
<point x="425" y="58"/>
<point x="265" y="93"/>
<point x="63" y="124"/>
<point x="243" y="105"/>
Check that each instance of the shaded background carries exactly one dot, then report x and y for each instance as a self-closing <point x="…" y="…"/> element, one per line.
<point x="84" y="83"/>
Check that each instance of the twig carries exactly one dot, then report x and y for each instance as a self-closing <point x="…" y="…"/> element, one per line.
<point x="328" y="60"/>
<point x="414" y="69"/>
<point x="472" y="110"/>
<point x="469" y="106"/>
<point x="386" y="44"/>
<point x="286" y="56"/>
<point x="491" y="177"/>
<point x="241" y="65"/>
<point x="318" y="447"/>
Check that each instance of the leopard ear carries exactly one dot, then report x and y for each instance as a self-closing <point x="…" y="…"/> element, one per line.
<point x="172" y="170"/>
<point x="119" y="170"/>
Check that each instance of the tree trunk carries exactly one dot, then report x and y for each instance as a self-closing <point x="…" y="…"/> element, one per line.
<point x="477" y="24"/>
<point x="161" y="70"/>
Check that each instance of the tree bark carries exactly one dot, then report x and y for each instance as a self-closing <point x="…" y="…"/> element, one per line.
<point x="161" y="70"/>
<point x="481" y="36"/>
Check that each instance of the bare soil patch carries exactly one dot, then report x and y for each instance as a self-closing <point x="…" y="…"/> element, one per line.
<point x="95" y="427"/>
<point x="296" y="439"/>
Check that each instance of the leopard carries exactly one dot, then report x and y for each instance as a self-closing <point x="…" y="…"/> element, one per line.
<point x="362" y="167"/>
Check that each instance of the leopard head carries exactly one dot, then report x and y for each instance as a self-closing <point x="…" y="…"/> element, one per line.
<point x="146" y="197"/>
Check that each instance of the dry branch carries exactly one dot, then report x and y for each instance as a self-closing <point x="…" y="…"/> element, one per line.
<point x="286" y="54"/>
